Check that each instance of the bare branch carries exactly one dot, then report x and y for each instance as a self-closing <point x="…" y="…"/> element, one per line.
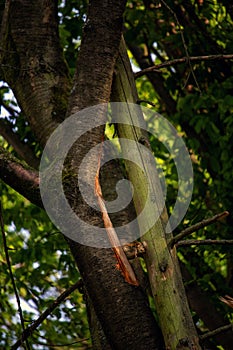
<point x="156" y="79"/>
<point x="216" y="332"/>
<point x="29" y="330"/>
<point x="20" y="177"/>
<point x="23" y="150"/>
<point x="52" y="345"/>
<point x="170" y="63"/>
<point x="197" y="227"/>
<point x="189" y="242"/>
<point x="184" y="45"/>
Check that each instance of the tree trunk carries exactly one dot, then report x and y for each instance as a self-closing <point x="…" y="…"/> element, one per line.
<point x="113" y="299"/>
<point x="162" y="264"/>
<point x="33" y="64"/>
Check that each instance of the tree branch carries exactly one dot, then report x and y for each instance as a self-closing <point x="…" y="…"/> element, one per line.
<point x="23" y="150"/>
<point x="197" y="227"/>
<point x="189" y="242"/>
<point x="216" y="331"/>
<point x="29" y="330"/>
<point x="184" y="43"/>
<point x="156" y="67"/>
<point x="20" y="177"/>
<point x="159" y="260"/>
<point x="156" y="79"/>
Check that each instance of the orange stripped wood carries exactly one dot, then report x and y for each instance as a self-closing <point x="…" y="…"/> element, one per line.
<point x="123" y="262"/>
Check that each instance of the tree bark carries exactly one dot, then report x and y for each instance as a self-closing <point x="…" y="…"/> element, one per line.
<point x="33" y="64"/>
<point x="162" y="263"/>
<point x="21" y="178"/>
<point x="113" y="299"/>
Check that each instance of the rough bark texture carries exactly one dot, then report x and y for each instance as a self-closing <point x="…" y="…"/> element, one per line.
<point x="21" y="178"/>
<point x="127" y="322"/>
<point x="99" y="340"/>
<point x="113" y="299"/>
<point x="116" y="295"/>
<point x="33" y="65"/>
<point x="162" y="264"/>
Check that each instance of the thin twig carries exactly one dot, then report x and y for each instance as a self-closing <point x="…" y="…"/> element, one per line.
<point x="146" y="101"/>
<point x="197" y="227"/>
<point x="29" y="330"/>
<point x="216" y="332"/>
<point x="189" y="242"/>
<point x="51" y="345"/>
<point x="182" y="60"/>
<point x="184" y="44"/>
<point x="10" y="272"/>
